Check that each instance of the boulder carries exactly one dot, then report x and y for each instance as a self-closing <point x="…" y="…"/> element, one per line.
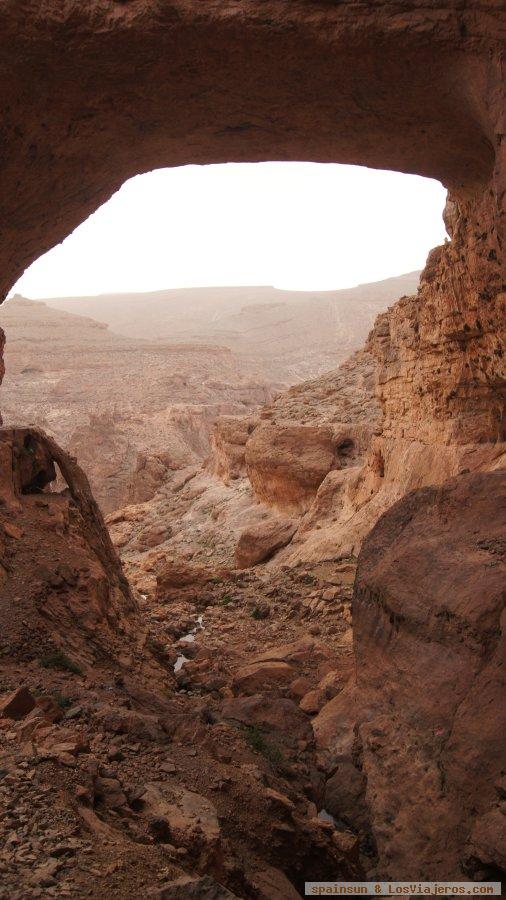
<point x="17" y="704"/>
<point x="258" y="677"/>
<point x="300" y="651"/>
<point x="331" y="684"/>
<point x="176" y="575"/>
<point x="259" y="542"/>
<point x="486" y="847"/>
<point x="287" y="463"/>
<point x="128" y="721"/>
<point x="272" y="884"/>
<point x="184" y="819"/>
<point x="312" y="702"/>
<point x="279" y="714"/>
<point x="300" y="686"/>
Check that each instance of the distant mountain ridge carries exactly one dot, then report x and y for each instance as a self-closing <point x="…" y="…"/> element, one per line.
<point x="288" y="336"/>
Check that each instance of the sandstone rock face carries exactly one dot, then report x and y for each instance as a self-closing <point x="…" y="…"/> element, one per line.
<point x="174" y="576"/>
<point x="16" y="704"/>
<point x="313" y="429"/>
<point x="234" y="110"/>
<point x="453" y="329"/>
<point x="428" y="608"/>
<point x="263" y="676"/>
<point x="228" y="443"/>
<point x="286" y="465"/>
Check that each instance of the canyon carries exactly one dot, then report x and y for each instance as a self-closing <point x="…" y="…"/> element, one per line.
<point x="166" y="368"/>
<point x="153" y="403"/>
<point x="339" y="712"/>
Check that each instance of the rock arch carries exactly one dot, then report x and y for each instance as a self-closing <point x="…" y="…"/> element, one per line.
<point x="97" y="92"/>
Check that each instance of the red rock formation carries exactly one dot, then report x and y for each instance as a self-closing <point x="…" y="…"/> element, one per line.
<point x="57" y="560"/>
<point x="415" y="89"/>
<point x="228" y="443"/>
<point x="96" y="92"/>
<point x="153" y="406"/>
<point x="429" y="597"/>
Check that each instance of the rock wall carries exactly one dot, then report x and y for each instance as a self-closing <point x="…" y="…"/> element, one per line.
<point x="429" y="596"/>
<point x="441" y="353"/>
<point x="416" y="89"/>
<point x="61" y="581"/>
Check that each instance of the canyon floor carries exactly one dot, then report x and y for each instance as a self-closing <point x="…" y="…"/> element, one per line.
<point x="191" y="750"/>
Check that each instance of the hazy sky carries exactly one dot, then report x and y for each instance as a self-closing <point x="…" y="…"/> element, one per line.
<point x="299" y="226"/>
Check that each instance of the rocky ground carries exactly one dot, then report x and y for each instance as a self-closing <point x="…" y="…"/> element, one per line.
<point x="151" y="738"/>
<point x="207" y="726"/>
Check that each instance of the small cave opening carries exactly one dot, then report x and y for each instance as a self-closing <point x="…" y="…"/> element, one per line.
<point x="36" y="469"/>
<point x="346" y="449"/>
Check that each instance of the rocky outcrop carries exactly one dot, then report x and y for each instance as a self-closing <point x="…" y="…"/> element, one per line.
<point x="286" y="464"/>
<point x="228" y="447"/>
<point x="173" y="576"/>
<point x="103" y="130"/>
<point x="62" y="585"/>
<point x="312" y="430"/>
<point x="259" y="542"/>
<point x="429" y="645"/>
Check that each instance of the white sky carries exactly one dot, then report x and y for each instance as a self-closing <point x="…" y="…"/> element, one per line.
<point x="296" y="226"/>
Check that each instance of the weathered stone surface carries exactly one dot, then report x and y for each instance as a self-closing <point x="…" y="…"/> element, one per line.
<point x="258" y="543"/>
<point x="287" y="463"/>
<point x="277" y="713"/>
<point x="175" y="575"/>
<point x="70" y="594"/>
<point x="149" y="418"/>
<point x="441" y="363"/>
<point x="227" y="106"/>
<point x="416" y="88"/>
<point x="272" y="884"/>
<point x="228" y="442"/>
<point x="257" y="677"/>
<point x="429" y="601"/>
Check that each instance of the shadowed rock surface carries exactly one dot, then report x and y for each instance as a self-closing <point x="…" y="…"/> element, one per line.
<point x="427" y="608"/>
